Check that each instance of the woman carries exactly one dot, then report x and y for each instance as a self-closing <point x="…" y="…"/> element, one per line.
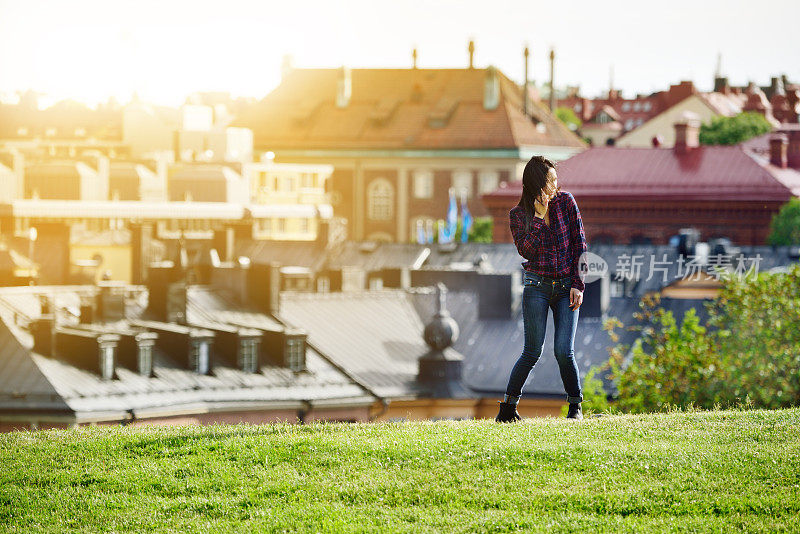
<point x="548" y="232"/>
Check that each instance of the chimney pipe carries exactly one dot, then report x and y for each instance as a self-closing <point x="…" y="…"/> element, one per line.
<point x="344" y="87"/>
<point x="525" y="85"/>
<point x="471" y="49"/>
<point x="778" y="145"/>
<point x="552" y="80"/>
<point x="687" y="134"/>
<point x="793" y="150"/>
<point x="491" y="89"/>
<point x="414" y="58"/>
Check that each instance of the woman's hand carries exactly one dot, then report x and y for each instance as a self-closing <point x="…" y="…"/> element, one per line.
<point x="541" y="209"/>
<point x="575" y="298"/>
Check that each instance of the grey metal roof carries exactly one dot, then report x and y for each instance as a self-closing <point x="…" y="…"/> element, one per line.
<point x="287" y="253"/>
<point x="375" y="256"/>
<point x="31" y="381"/>
<point x="375" y="335"/>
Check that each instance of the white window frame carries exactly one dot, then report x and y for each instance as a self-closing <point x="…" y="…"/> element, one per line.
<point x="380" y="200"/>
<point x="423" y="184"/>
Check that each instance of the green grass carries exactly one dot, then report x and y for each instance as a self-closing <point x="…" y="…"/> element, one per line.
<point x="716" y="471"/>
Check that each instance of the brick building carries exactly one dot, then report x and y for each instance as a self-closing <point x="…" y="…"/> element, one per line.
<point x="646" y="195"/>
<point x="399" y="139"/>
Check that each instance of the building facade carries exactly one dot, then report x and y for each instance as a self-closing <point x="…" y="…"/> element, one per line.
<point x="400" y="139"/>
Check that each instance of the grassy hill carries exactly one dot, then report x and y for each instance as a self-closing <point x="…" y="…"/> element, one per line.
<point x="684" y="471"/>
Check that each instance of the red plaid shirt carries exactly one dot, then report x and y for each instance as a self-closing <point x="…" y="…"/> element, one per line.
<point x="552" y="250"/>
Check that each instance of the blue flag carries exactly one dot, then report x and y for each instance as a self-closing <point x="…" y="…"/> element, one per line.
<point x="466" y="219"/>
<point x="452" y="217"/>
<point x="421" y="237"/>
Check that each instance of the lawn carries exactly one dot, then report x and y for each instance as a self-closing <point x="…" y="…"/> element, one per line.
<point x="717" y="471"/>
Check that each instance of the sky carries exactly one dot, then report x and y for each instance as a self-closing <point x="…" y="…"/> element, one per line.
<point x="164" y="50"/>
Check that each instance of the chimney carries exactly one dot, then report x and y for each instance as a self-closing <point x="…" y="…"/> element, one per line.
<point x="284" y="347"/>
<point x="236" y="346"/>
<point x="323" y="233"/>
<point x="43" y="333"/>
<point x="687" y="133"/>
<point x="345" y="279"/>
<point x="552" y="80"/>
<point x="264" y="283"/>
<point x="344" y="87"/>
<point x="223" y="241"/>
<point x="526" y="53"/>
<point x="793" y="150"/>
<point x="721" y="85"/>
<point x="141" y="237"/>
<point x="471" y="49"/>
<point x="88" y="309"/>
<point x="186" y="345"/>
<point x="110" y="305"/>
<point x="498" y="294"/>
<point x="491" y="89"/>
<point x="93" y="351"/>
<point x="166" y="290"/>
<point x="135" y="351"/>
<point x="778" y="145"/>
<point x="414" y="58"/>
<point x="687" y="241"/>
<point x="597" y="297"/>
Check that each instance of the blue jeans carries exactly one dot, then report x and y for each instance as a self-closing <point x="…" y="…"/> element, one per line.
<point x="539" y="294"/>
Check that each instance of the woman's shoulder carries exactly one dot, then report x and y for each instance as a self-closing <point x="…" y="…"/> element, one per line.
<point x="566" y="197"/>
<point x="516" y="210"/>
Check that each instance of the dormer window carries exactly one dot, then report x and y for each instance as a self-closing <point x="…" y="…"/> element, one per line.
<point x="198" y="358"/>
<point x="248" y="356"/>
<point x="145" y="360"/>
<point x="295" y="354"/>
<point x="107" y="362"/>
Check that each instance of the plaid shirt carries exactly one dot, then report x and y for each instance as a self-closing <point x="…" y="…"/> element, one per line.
<point x="552" y="250"/>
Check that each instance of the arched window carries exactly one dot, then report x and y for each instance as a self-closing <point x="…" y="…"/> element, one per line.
<point x="380" y="200"/>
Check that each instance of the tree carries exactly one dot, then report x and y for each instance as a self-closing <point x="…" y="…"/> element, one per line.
<point x="666" y="364"/>
<point x="481" y="231"/>
<point x="568" y="117"/>
<point x="785" y="225"/>
<point x="733" y="130"/>
<point x="749" y="349"/>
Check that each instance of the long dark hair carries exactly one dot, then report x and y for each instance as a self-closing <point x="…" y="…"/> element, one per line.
<point x="534" y="178"/>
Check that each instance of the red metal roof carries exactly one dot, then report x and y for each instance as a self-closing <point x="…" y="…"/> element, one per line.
<point x="705" y="173"/>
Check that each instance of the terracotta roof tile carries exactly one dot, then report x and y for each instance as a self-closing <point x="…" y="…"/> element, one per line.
<point x="393" y="108"/>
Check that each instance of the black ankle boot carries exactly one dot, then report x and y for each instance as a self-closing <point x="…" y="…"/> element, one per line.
<point x="508" y="412"/>
<point x="575" y="411"/>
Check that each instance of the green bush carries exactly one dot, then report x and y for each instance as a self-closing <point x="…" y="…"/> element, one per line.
<point x="749" y="351"/>
<point x="733" y="130"/>
<point x="785" y="225"/>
